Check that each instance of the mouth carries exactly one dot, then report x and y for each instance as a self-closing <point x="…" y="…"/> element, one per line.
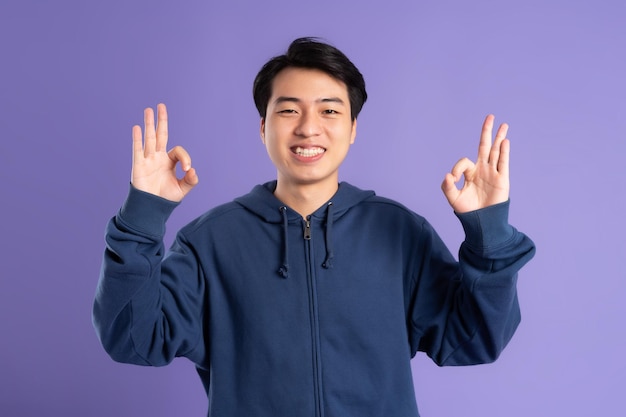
<point x="308" y="152"/>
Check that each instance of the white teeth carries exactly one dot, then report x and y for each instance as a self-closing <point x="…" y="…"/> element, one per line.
<point x="309" y="152"/>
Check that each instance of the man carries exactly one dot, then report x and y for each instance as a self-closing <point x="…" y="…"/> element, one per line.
<point x="307" y="296"/>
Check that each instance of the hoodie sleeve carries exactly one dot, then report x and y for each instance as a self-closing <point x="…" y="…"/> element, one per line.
<point x="465" y="312"/>
<point x="147" y="308"/>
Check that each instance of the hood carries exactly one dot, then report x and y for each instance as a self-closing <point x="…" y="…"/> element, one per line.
<point x="262" y="202"/>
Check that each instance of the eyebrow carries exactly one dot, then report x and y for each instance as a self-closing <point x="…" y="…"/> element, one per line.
<point x="283" y="99"/>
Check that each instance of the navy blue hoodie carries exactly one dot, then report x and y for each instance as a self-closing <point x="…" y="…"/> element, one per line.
<point x="285" y="316"/>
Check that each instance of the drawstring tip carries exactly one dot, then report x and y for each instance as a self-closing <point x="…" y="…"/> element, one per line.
<point x="283" y="271"/>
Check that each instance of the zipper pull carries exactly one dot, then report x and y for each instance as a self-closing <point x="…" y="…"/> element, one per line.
<point x="307" y="228"/>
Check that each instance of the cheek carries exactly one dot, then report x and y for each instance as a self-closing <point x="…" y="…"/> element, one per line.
<point x="344" y="133"/>
<point x="275" y="133"/>
<point x="271" y="142"/>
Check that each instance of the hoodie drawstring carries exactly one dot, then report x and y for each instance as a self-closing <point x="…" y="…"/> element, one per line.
<point x="328" y="262"/>
<point x="284" y="269"/>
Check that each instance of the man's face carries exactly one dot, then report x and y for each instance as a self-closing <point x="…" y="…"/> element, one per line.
<point x="308" y="128"/>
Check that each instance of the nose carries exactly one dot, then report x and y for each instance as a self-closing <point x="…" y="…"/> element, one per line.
<point x="308" y="125"/>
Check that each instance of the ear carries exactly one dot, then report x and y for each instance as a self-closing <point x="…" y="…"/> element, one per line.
<point x="353" y="132"/>
<point x="262" y="130"/>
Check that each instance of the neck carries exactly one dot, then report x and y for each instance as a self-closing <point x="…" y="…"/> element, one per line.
<point x="304" y="199"/>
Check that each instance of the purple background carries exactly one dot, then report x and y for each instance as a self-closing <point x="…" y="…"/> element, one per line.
<point x="75" y="76"/>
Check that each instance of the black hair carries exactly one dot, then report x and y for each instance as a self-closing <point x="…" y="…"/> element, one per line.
<point x="314" y="54"/>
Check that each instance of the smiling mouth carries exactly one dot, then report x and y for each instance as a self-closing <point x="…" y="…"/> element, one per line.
<point x="308" y="152"/>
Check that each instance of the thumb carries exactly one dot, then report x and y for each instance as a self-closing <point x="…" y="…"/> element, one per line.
<point x="448" y="186"/>
<point x="188" y="181"/>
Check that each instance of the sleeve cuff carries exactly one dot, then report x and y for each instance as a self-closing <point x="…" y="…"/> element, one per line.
<point x="146" y="212"/>
<point x="487" y="228"/>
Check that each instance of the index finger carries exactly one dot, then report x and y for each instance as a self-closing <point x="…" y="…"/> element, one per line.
<point x="484" y="147"/>
<point x="161" y="131"/>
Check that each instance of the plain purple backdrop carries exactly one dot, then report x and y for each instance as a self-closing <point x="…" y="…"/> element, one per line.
<point x="76" y="75"/>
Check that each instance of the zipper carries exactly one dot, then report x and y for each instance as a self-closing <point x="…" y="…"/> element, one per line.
<point x="314" y="317"/>
<point x="307" y="228"/>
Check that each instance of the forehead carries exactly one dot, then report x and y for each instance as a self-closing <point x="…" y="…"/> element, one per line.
<point x="306" y="83"/>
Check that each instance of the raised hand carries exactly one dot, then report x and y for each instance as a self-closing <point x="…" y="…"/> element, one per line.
<point x="486" y="182"/>
<point x="154" y="168"/>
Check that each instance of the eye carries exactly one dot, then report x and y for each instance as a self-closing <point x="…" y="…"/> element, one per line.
<point x="330" y="111"/>
<point x="287" y="111"/>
